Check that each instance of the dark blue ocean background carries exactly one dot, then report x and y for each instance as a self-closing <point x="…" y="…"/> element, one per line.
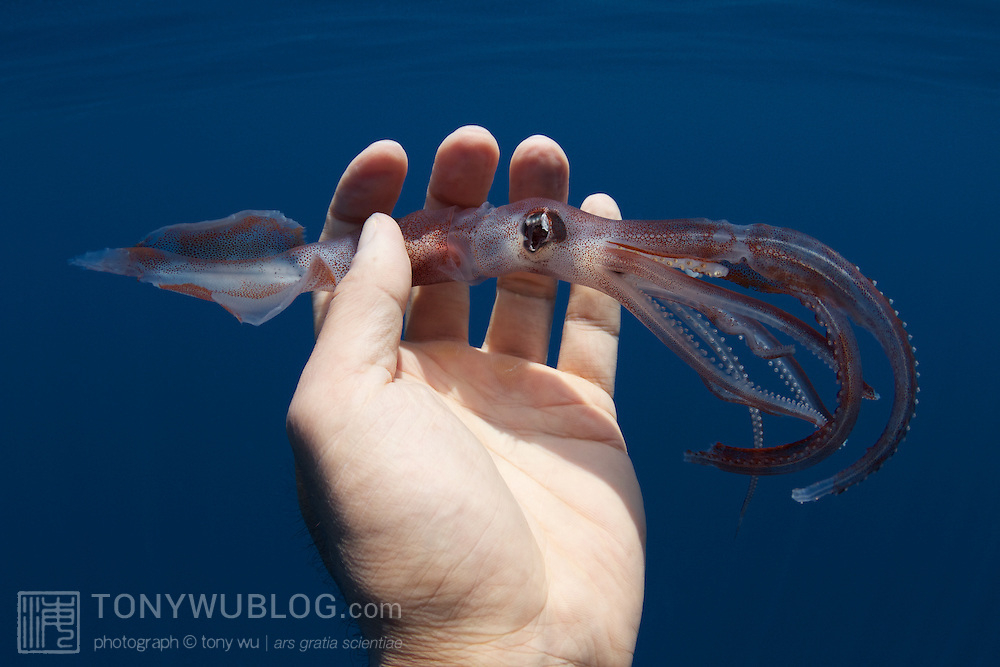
<point x="144" y="431"/>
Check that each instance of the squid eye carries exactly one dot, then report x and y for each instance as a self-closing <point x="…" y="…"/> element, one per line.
<point x="541" y="227"/>
<point x="536" y="230"/>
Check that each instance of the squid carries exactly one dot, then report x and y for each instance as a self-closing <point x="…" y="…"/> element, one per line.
<point x="669" y="273"/>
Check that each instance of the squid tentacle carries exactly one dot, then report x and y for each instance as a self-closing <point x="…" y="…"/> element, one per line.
<point x="731" y="304"/>
<point x="763" y="349"/>
<point x="765" y="346"/>
<point x="724" y="381"/>
<point x="770" y="259"/>
<point x="787" y="366"/>
<point x="775" y="460"/>
<point x="671" y="286"/>
<point x="807" y="267"/>
<point x="819" y="444"/>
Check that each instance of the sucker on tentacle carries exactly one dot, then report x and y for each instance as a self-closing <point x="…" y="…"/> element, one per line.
<point x="255" y="263"/>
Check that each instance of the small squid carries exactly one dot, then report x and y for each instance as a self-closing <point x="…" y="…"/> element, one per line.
<point x="666" y="272"/>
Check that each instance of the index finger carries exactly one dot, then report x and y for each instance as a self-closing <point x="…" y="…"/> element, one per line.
<point x="370" y="184"/>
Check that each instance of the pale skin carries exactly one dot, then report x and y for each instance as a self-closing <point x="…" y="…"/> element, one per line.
<point x="488" y="495"/>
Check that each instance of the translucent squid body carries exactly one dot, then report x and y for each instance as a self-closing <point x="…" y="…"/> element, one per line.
<point x="665" y="272"/>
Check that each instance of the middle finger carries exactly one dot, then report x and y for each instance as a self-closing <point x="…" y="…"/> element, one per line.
<point x="522" y="313"/>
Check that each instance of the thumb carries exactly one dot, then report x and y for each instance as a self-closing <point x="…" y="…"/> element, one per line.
<point x="363" y="326"/>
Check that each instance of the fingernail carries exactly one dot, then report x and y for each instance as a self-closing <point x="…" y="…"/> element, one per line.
<point x="368" y="231"/>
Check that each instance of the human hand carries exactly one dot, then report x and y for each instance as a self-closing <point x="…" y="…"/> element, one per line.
<point x="488" y="495"/>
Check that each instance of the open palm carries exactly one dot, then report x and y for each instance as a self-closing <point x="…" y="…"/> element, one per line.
<point x="486" y="494"/>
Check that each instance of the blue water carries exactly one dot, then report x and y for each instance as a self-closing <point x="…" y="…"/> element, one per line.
<point x="144" y="432"/>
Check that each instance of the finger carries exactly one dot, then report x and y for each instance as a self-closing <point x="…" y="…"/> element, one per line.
<point x="462" y="174"/>
<point x="362" y="328"/>
<point x="589" y="346"/>
<point x="522" y="313"/>
<point x="371" y="183"/>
